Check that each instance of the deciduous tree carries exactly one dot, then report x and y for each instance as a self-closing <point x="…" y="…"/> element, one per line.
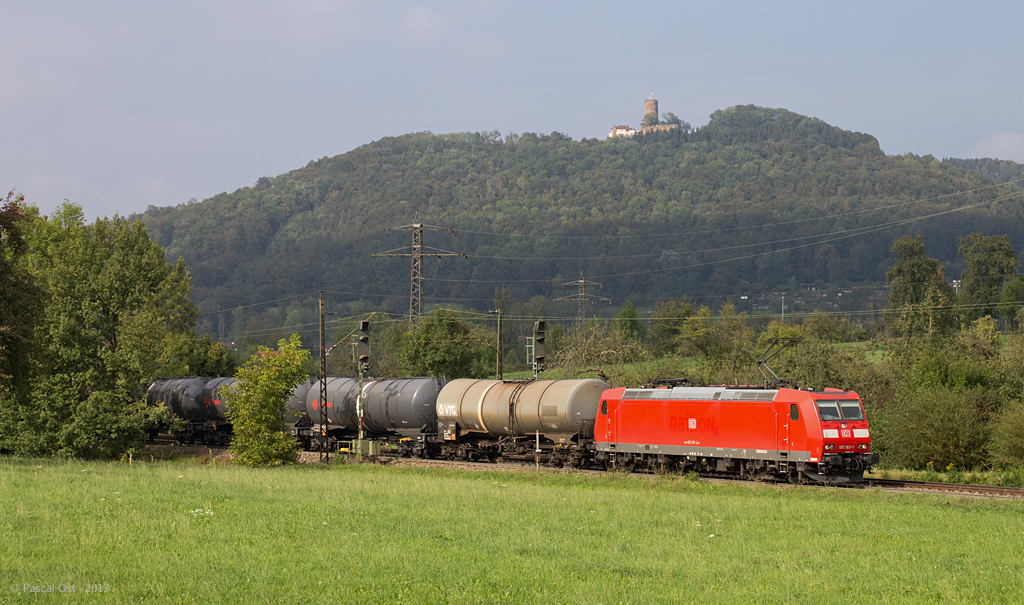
<point x="920" y="300"/>
<point x="258" y="404"/>
<point x="21" y="301"/>
<point x="113" y="305"/>
<point x="990" y="261"/>
<point x="442" y="345"/>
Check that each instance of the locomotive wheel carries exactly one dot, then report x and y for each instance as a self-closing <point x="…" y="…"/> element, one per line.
<point x="624" y="463"/>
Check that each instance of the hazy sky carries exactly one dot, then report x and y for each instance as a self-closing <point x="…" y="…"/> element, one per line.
<point x="120" y="105"/>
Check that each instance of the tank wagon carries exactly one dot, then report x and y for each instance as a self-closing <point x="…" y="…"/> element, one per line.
<point x="485" y="419"/>
<point x="399" y="409"/>
<point x="188" y="399"/>
<point x="821" y="436"/>
<point x="200" y="404"/>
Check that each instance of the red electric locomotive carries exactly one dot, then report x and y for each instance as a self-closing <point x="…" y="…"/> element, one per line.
<point x="820" y="436"/>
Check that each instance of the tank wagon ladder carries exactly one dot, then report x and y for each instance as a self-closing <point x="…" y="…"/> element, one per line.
<point x="513" y="399"/>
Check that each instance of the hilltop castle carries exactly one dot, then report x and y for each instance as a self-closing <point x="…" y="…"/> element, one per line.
<point x="650" y="109"/>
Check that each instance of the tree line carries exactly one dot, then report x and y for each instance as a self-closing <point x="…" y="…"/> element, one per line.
<point x="90" y="314"/>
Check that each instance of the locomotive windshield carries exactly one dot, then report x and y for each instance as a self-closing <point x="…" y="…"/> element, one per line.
<point x="843" y="409"/>
<point x="851" y="409"/>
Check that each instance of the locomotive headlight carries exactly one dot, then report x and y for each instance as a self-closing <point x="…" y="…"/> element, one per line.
<point x="829" y="447"/>
<point x="862" y="446"/>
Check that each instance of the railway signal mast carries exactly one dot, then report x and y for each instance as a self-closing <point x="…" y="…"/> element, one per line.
<point x="363" y="358"/>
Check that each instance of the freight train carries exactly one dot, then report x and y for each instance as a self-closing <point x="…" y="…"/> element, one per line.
<point x="794" y="434"/>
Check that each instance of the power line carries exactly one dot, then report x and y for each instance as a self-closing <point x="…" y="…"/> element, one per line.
<point x="416" y="254"/>
<point x="860" y="231"/>
<point x="731" y="229"/>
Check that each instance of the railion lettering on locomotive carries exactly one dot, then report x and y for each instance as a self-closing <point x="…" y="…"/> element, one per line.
<point x="700" y="425"/>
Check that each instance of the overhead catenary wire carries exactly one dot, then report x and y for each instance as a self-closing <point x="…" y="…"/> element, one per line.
<point x="713" y="318"/>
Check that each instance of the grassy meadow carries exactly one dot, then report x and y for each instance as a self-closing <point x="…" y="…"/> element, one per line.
<point x="185" y="532"/>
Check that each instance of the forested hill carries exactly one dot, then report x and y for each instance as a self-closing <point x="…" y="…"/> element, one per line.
<point x="1001" y="171"/>
<point x="650" y="217"/>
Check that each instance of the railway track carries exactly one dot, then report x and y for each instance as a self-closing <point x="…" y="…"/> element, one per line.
<point x="960" y="488"/>
<point x="527" y="463"/>
<point x="894" y="484"/>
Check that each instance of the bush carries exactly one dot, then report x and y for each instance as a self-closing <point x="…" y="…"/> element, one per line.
<point x="934" y="426"/>
<point x="1008" y="436"/>
<point x="258" y="405"/>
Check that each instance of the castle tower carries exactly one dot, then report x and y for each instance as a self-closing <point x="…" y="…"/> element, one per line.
<point x="651" y="106"/>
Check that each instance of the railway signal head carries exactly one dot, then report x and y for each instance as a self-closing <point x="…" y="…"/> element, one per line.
<point x="363" y="345"/>
<point x="538" y="345"/>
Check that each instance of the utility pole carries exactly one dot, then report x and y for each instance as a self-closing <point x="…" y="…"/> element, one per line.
<point x="582" y="296"/>
<point x="416" y="252"/>
<point x="325" y="455"/>
<point x="500" y="338"/>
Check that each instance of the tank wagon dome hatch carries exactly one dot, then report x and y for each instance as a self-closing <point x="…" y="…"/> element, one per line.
<point x="556" y="409"/>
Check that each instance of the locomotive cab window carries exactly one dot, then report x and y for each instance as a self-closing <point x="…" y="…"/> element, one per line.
<point x="828" y="410"/>
<point x="604" y="408"/>
<point x="843" y="409"/>
<point x="794" y="411"/>
<point x="851" y="409"/>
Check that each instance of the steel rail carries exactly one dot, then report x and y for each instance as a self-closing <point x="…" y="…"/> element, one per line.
<point x="990" y="490"/>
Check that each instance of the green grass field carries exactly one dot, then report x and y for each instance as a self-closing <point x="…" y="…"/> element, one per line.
<point x="183" y="532"/>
